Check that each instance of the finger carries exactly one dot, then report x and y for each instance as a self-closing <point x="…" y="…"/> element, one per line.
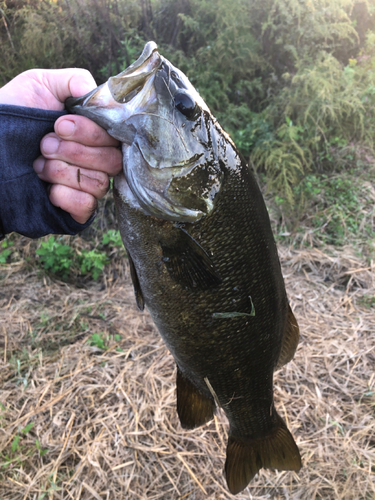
<point x="79" y="204"/>
<point x="58" y="172"/>
<point x="107" y="159"/>
<point x="80" y="129"/>
<point x="47" y="88"/>
<point x="63" y="83"/>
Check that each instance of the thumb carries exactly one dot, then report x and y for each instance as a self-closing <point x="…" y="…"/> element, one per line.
<point x="63" y="83"/>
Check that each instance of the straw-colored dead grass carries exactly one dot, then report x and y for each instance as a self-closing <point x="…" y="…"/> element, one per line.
<point x="108" y="418"/>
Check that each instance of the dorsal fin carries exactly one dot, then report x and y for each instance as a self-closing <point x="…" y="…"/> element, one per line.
<point x="290" y="340"/>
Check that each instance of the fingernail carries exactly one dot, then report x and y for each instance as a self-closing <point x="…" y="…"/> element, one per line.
<point x="50" y="145"/>
<point x="65" y="128"/>
<point x="39" y="165"/>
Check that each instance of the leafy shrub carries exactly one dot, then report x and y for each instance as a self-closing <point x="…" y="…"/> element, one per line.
<point x="55" y="256"/>
<point x="5" y="251"/>
<point x="98" y="340"/>
<point x="63" y="260"/>
<point x="112" y="238"/>
<point x="20" y="448"/>
<point x="92" y="262"/>
<point x="340" y="209"/>
<point x="101" y="340"/>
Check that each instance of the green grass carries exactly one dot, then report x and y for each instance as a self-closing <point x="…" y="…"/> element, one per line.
<point x="102" y="341"/>
<point x="6" y="248"/>
<point x="21" y="449"/>
<point x="336" y="209"/>
<point x="367" y="301"/>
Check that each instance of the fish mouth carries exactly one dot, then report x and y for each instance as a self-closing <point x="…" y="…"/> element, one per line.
<point x="130" y="82"/>
<point x="123" y="87"/>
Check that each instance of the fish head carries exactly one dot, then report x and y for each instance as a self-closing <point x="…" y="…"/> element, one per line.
<point x="171" y="163"/>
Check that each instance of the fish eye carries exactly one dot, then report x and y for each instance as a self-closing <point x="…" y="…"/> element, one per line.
<point x="186" y="105"/>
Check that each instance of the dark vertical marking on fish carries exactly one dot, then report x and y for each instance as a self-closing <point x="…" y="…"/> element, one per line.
<point x="137" y="287"/>
<point x="193" y="407"/>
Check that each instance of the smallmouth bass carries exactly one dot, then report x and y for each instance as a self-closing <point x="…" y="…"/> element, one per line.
<point x="202" y="258"/>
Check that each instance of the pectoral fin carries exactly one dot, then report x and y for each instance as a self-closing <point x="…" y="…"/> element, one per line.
<point x="187" y="262"/>
<point x="246" y="456"/>
<point x="290" y="340"/>
<point x="193" y="407"/>
<point x="137" y="287"/>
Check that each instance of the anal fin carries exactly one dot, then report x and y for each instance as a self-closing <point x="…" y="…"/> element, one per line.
<point x="246" y="456"/>
<point x="290" y="340"/>
<point x="193" y="407"/>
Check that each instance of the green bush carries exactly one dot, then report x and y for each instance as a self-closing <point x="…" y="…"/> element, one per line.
<point x="92" y="262"/>
<point x="5" y="251"/>
<point x="112" y="238"/>
<point x="63" y="260"/>
<point x="55" y="256"/>
<point x="340" y="210"/>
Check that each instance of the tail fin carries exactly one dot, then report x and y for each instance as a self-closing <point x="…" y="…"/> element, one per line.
<point x="246" y="456"/>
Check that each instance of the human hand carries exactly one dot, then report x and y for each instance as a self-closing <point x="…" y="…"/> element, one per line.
<point x="80" y="156"/>
<point x="78" y="160"/>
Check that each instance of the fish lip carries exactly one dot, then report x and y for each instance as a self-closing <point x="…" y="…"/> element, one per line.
<point x="129" y="82"/>
<point x="147" y="53"/>
<point x="132" y="80"/>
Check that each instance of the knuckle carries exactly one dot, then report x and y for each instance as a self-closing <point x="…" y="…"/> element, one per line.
<point x="102" y="183"/>
<point x="33" y="74"/>
<point x="112" y="160"/>
<point x="85" y="73"/>
<point x="89" y="203"/>
<point x="96" y="133"/>
<point x="93" y="182"/>
<point x="56" y="170"/>
<point x="75" y="153"/>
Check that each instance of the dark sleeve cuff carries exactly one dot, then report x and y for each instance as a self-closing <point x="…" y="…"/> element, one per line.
<point x="24" y="203"/>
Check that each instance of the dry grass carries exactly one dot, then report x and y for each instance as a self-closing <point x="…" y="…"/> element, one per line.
<point x="107" y="418"/>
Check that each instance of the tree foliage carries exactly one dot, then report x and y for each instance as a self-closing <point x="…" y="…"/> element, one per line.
<point x="292" y="80"/>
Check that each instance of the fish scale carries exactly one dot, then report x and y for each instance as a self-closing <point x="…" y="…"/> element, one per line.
<point x="202" y="258"/>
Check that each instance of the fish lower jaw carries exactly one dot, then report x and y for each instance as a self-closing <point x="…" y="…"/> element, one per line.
<point x="161" y="209"/>
<point x="101" y="97"/>
<point x="168" y="211"/>
<point x="125" y="193"/>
